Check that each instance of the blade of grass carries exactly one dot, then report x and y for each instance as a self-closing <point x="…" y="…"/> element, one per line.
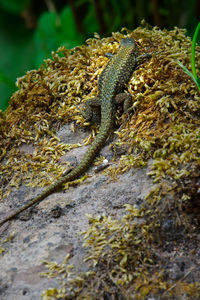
<point x="193" y="51"/>
<point x="187" y="72"/>
<point x="193" y="75"/>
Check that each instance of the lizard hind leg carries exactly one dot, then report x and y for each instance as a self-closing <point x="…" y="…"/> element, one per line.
<point x="92" y="110"/>
<point x="125" y="99"/>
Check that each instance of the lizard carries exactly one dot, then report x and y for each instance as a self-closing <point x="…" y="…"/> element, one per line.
<point x="111" y="84"/>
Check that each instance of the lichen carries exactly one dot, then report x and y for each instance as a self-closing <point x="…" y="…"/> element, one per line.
<point x="164" y="127"/>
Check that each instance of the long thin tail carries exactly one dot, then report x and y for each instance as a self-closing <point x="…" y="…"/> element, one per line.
<point x="75" y="173"/>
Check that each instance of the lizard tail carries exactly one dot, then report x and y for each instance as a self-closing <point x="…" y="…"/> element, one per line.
<point x="75" y="173"/>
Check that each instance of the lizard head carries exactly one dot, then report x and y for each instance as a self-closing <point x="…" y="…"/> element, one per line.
<point x="129" y="43"/>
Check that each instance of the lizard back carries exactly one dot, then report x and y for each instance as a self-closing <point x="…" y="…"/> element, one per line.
<point x="111" y="82"/>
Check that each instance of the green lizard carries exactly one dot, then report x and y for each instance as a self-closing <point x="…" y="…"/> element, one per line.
<point x="111" y="85"/>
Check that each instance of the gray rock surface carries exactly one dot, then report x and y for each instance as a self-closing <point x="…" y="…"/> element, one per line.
<point x="50" y="230"/>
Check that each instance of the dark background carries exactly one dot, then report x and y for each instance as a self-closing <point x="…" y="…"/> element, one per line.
<point x="31" y="29"/>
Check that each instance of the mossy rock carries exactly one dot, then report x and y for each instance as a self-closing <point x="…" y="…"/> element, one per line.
<point x="163" y="129"/>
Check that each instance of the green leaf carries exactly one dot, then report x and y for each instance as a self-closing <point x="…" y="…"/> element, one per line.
<point x="46" y="36"/>
<point x="90" y="22"/>
<point x="48" y="30"/>
<point x="54" y="31"/>
<point x="69" y="35"/>
<point x="17" y="54"/>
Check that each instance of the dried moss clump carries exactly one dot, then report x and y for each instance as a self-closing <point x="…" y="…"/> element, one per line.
<point x="119" y="250"/>
<point x="123" y="264"/>
<point x="164" y="128"/>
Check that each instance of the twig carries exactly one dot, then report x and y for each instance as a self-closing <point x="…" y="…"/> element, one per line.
<point x="175" y="284"/>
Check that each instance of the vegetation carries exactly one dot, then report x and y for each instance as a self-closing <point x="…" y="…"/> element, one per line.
<point x="193" y="75"/>
<point x="123" y="253"/>
<point x="39" y="27"/>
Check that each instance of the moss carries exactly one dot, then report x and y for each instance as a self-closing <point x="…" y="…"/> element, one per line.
<point x="122" y="260"/>
<point x="164" y="127"/>
<point x="8" y="239"/>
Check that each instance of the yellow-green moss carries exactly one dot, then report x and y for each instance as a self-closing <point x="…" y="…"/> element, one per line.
<point x="8" y="239"/>
<point x="164" y="127"/>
